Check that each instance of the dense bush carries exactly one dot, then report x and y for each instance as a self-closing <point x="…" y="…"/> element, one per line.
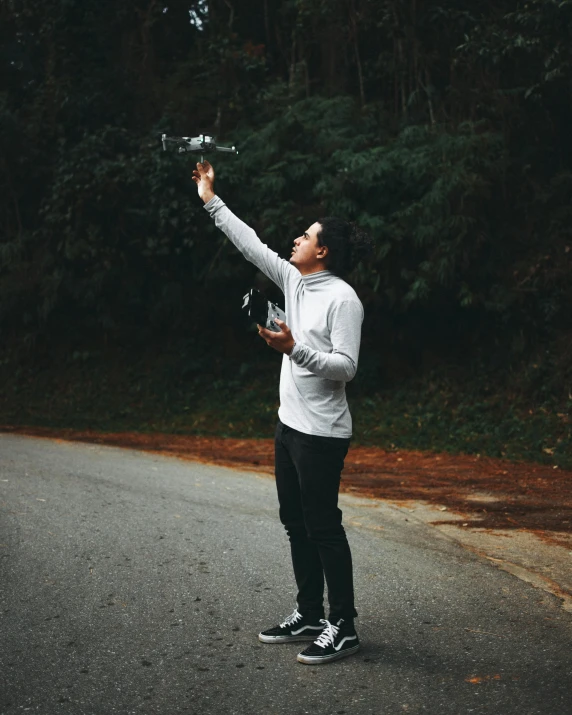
<point x="442" y="127"/>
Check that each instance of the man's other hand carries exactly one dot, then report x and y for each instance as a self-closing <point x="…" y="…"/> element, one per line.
<point x="204" y="177"/>
<point x="282" y="341"/>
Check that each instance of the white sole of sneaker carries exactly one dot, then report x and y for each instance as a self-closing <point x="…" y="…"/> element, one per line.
<point x="317" y="660"/>
<point x="286" y="639"/>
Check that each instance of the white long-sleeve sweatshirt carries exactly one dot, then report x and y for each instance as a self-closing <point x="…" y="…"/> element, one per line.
<point x="325" y="317"/>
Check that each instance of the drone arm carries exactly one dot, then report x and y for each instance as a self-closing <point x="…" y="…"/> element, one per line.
<point x="202" y="144"/>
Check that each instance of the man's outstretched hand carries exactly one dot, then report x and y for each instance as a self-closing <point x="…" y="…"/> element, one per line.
<point x="282" y="341"/>
<point x="204" y="176"/>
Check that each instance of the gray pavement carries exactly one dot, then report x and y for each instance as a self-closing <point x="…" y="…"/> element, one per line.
<point x="134" y="583"/>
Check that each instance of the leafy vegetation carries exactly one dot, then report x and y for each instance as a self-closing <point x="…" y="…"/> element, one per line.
<point x="174" y="391"/>
<point x="440" y="126"/>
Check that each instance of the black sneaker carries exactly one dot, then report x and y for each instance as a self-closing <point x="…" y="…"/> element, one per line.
<point x="334" y="642"/>
<point x="295" y="628"/>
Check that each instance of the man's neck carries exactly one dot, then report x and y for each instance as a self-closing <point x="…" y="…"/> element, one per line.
<point x="310" y="271"/>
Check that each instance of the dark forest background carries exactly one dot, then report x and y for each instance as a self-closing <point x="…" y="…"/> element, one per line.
<point x="443" y="127"/>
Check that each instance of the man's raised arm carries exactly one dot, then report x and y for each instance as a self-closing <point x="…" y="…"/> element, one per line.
<point x="243" y="237"/>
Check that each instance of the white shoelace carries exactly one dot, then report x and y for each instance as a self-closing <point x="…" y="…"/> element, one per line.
<point x="294" y="618"/>
<point x="328" y="635"/>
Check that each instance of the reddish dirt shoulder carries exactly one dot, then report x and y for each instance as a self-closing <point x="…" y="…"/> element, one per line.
<point x="492" y="493"/>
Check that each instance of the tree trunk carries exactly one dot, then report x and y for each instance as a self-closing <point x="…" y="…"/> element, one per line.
<point x="292" y="72"/>
<point x="355" y="43"/>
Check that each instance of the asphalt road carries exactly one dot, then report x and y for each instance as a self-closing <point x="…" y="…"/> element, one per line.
<point x="133" y="583"/>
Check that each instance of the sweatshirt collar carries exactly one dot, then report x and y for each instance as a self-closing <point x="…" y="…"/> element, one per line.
<point x="316" y="278"/>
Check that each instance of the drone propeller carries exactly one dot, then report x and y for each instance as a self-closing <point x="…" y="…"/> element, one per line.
<point x="174" y="140"/>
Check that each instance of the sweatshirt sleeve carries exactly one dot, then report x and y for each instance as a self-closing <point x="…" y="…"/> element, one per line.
<point x="345" y="333"/>
<point x="248" y="243"/>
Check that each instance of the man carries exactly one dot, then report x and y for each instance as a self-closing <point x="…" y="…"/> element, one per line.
<point x="320" y="347"/>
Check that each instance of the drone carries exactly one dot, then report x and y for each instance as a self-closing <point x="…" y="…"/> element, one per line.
<point x="203" y="144"/>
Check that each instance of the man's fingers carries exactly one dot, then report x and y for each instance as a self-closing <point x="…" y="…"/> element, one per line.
<point x="204" y="170"/>
<point x="266" y="335"/>
<point x="282" y="325"/>
<point x="209" y="171"/>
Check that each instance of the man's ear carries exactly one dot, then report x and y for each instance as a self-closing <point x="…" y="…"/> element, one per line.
<point x="322" y="253"/>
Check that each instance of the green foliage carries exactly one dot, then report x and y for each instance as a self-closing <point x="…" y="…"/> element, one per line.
<point x="189" y="391"/>
<point x="441" y="127"/>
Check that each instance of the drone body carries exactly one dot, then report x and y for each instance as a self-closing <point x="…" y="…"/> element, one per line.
<point x="203" y="144"/>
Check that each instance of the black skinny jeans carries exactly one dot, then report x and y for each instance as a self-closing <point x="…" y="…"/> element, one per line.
<point x="308" y="470"/>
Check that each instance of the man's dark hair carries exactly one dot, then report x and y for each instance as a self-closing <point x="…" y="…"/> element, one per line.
<point x="347" y="244"/>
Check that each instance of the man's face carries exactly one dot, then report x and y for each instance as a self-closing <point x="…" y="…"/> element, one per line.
<point x="307" y="255"/>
